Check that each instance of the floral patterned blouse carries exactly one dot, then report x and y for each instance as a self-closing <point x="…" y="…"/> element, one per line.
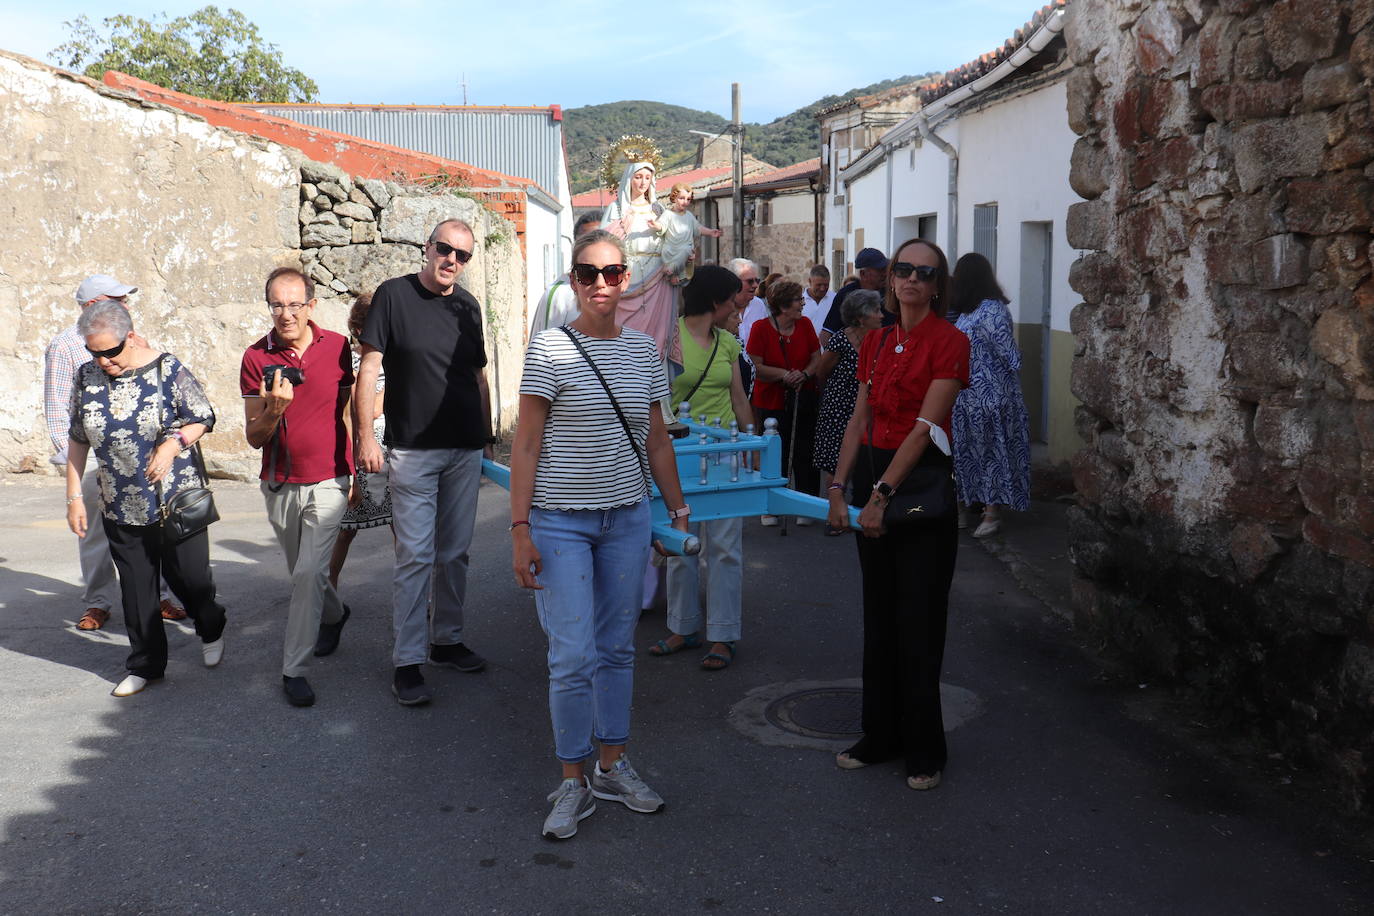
<point x="123" y="420"/>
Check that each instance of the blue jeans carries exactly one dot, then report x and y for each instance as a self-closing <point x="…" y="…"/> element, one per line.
<point x="592" y="565"/>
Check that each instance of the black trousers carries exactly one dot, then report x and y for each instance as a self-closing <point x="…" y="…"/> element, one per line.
<point x="142" y="558"/>
<point x="906" y="580"/>
<point x="806" y="478"/>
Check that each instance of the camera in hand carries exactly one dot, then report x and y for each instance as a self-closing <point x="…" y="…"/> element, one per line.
<point x="292" y="374"/>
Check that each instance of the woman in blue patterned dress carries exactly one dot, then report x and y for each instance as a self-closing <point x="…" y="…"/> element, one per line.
<point x="991" y="429"/>
<point x="140" y="411"/>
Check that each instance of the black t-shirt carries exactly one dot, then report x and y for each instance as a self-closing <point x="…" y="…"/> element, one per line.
<point x="431" y="350"/>
<point x="834" y="322"/>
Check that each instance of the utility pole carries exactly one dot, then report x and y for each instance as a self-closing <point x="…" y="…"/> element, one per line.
<point x="737" y="179"/>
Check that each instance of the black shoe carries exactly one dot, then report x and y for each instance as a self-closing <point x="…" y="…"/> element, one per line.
<point x="328" y="640"/>
<point x="298" y="692"/>
<point x="409" y="686"/>
<point x="457" y="656"/>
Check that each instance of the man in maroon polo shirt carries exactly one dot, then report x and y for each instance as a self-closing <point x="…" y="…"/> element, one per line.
<point x="307" y="461"/>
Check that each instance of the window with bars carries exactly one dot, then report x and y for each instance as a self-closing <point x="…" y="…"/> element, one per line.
<point x="985" y="232"/>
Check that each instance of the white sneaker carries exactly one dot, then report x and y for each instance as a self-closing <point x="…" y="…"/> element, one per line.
<point x="129" y="686"/>
<point x="768" y="521"/>
<point x="212" y="652"/>
<point x="572" y="801"/>
<point x="804" y="522"/>
<point x="988" y="527"/>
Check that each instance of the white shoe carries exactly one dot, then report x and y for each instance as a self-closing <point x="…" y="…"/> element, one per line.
<point x="804" y="522"/>
<point x="988" y="527"/>
<point x="129" y="686"/>
<point x="213" y="652"/>
<point x="768" y="521"/>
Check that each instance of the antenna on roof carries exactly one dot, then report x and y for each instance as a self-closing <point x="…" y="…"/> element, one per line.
<point x="465" y="88"/>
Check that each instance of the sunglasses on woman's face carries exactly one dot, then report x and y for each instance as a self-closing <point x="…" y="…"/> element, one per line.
<point x="923" y="272"/>
<point x="586" y="274"/>
<point x="110" y="353"/>
<point x="445" y="249"/>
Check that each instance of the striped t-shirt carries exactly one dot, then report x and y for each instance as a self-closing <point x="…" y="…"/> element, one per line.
<point x="585" y="461"/>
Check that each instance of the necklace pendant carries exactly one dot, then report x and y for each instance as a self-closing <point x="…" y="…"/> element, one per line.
<point x="900" y="347"/>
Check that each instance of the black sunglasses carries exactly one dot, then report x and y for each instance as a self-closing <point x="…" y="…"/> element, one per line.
<point x="110" y="353"/>
<point x="923" y="272"/>
<point x="586" y="274"/>
<point x="445" y="249"/>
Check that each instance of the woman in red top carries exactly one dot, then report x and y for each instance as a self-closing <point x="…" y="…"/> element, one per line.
<point x="786" y="354"/>
<point x="913" y="372"/>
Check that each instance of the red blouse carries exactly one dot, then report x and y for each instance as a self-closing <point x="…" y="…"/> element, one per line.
<point x="766" y="346"/>
<point x="935" y="349"/>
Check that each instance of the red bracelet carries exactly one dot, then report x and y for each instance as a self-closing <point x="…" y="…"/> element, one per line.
<point x="517" y="524"/>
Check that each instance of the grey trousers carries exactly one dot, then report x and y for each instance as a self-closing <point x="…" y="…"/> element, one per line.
<point x="433" y="509"/>
<point x="99" y="588"/>
<point x="305" y="517"/>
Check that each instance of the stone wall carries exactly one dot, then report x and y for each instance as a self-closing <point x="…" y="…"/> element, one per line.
<point x="786" y="248"/>
<point x="1225" y="356"/>
<point x="99" y="181"/>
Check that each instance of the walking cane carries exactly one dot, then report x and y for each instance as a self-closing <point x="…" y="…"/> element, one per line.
<point x="791" y="450"/>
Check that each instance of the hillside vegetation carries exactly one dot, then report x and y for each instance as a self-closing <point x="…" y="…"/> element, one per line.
<point x="591" y="129"/>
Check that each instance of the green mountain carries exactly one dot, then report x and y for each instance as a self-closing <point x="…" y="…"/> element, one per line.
<point x="591" y="129"/>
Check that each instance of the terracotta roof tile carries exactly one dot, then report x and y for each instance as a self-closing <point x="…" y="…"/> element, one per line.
<point x="985" y="63"/>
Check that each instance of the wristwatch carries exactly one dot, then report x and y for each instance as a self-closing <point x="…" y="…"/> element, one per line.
<point x="883" y="489"/>
<point x="685" y="511"/>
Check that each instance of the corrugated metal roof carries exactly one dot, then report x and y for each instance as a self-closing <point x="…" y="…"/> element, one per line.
<point x="527" y="142"/>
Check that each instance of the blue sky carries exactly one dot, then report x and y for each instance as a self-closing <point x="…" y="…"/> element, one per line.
<point x="784" y="53"/>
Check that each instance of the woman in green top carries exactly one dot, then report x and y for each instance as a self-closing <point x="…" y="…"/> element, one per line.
<point x="710" y="382"/>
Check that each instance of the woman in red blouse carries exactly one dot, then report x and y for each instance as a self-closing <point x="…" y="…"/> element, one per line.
<point x="913" y="371"/>
<point x="786" y="353"/>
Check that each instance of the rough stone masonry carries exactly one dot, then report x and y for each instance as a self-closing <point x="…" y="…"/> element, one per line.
<point x="1225" y="356"/>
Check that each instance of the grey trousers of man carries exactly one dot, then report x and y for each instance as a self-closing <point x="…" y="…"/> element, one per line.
<point x="100" y="589"/>
<point x="433" y="509"/>
<point x="305" y="517"/>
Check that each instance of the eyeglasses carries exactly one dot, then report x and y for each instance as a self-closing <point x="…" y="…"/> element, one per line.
<point x="290" y="308"/>
<point x="110" y="353"/>
<point x="586" y="274"/>
<point x="752" y="281"/>
<point x="923" y="272"/>
<point x="444" y="249"/>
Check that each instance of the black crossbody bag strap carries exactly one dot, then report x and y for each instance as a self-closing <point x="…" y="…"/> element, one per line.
<point x="715" y="336"/>
<point x="620" y="415"/>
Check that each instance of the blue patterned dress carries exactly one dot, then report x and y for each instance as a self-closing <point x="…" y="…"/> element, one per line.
<point x="991" y="428"/>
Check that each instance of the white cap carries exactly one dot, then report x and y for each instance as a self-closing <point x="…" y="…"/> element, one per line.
<point x="101" y="285"/>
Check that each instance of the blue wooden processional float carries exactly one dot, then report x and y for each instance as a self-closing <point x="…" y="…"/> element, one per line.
<point x="714" y="465"/>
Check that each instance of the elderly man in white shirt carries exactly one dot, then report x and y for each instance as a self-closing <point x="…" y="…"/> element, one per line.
<point x="819" y="296"/>
<point x="748" y="273"/>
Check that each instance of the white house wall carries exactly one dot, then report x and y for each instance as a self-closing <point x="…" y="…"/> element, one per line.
<point x="544" y="250"/>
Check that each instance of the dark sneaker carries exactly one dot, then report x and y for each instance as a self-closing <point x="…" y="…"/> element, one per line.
<point x="297" y="690"/>
<point x="328" y="639"/>
<point x="409" y="686"/>
<point x="572" y="801"/>
<point x="622" y="784"/>
<point x="457" y="656"/>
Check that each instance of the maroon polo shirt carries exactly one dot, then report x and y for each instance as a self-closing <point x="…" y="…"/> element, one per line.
<point x="312" y="431"/>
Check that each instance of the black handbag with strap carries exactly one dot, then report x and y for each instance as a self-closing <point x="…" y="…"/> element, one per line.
<point x="926" y="496"/>
<point x="191" y="509"/>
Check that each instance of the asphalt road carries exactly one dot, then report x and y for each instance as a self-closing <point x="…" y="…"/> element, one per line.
<point x="209" y="793"/>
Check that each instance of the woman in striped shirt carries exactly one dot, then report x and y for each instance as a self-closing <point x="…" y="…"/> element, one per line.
<point x="579" y="499"/>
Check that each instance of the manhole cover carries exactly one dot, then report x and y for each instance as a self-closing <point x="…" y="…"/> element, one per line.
<point x="826" y="712"/>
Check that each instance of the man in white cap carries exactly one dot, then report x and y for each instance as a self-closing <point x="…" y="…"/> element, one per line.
<point x="66" y="354"/>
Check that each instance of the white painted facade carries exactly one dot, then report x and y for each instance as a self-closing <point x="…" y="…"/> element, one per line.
<point x="1014" y="153"/>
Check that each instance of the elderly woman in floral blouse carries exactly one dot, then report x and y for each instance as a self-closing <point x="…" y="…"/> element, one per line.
<point x="140" y="411"/>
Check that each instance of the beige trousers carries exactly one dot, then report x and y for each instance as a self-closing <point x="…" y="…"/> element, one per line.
<point x="305" y="517"/>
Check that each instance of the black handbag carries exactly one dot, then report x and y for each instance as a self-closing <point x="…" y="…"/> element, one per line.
<point x="926" y="496"/>
<point x="191" y="509"/>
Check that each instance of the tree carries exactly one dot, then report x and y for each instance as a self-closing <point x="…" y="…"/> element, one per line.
<point x="210" y="54"/>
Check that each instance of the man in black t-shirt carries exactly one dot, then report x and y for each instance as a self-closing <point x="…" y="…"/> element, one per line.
<point x="426" y="332"/>
<point x="872" y="267"/>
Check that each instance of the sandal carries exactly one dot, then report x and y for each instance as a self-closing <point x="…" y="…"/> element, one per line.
<point x="663" y="647"/>
<point x="93" y="619"/>
<point x="714" y="661"/>
<point x="832" y="532"/>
